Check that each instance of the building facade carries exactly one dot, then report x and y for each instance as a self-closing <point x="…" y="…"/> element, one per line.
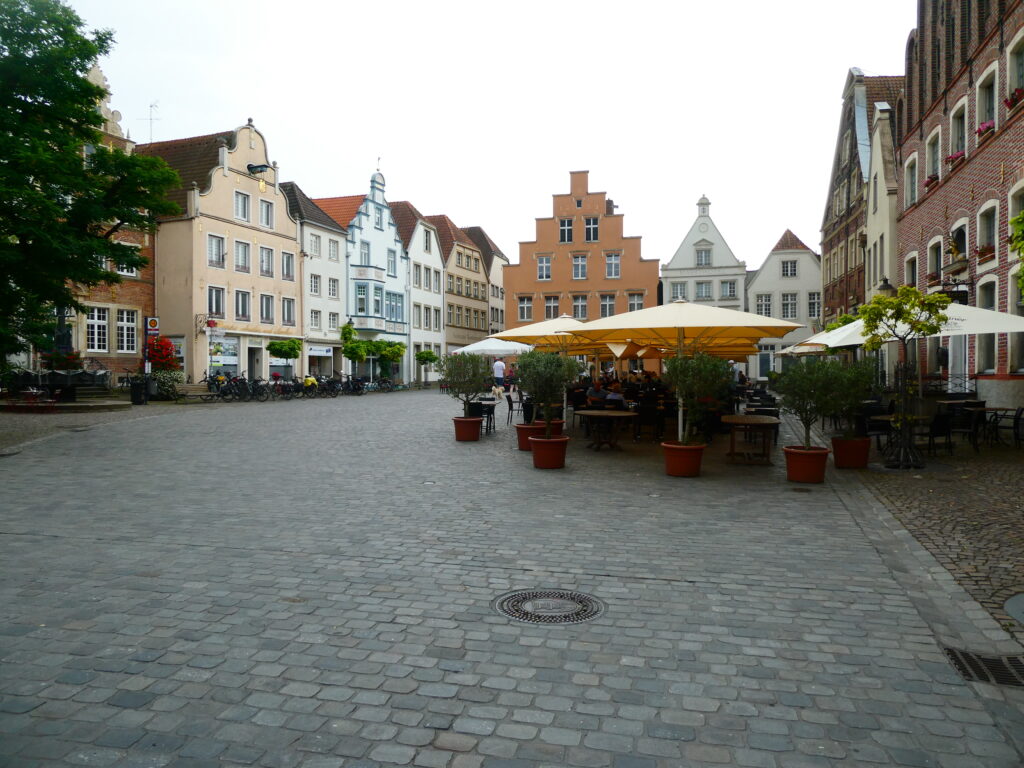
<point x="465" y="319"/>
<point x="703" y="267"/>
<point x="495" y="263"/>
<point x="787" y="286"/>
<point x="579" y="264"/>
<point x="961" y="139"/>
<point x="421" y="243"/>
<point x="322" y="246"/>
<point x="215" y="301"/>
<point x="844" y="227"/>
<point x="377" y="269"/>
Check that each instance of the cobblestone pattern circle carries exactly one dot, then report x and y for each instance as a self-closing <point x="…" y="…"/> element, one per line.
<point x="549" y="606"/>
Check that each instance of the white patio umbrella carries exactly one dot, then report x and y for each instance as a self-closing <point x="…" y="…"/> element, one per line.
<point x="493" y="348"/>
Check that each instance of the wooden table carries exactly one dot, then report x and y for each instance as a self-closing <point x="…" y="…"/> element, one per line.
<point x="605" y="434"/>
<point x="757" y="428"/>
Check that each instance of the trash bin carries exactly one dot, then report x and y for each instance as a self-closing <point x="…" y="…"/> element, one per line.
<point x="138" y="389"/>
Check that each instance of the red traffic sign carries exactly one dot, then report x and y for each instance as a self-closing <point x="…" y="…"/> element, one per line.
<point x="152" y="326"/>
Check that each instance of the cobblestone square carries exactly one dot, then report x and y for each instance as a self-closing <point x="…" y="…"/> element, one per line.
<point x="311" y="584"/>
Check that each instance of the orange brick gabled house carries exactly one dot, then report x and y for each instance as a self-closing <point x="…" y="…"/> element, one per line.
<point x="579" y="264"/>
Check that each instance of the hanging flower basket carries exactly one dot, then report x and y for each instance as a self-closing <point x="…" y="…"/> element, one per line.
<point x="211" y="323"/>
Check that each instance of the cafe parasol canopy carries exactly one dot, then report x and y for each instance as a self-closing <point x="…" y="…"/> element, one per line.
<point x="493" y="348"/>
<point x="558" y="332"/>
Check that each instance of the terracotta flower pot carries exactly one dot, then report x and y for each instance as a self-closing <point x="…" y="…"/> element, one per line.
<point x="467" y="429"/>
<point x="549" y="452"/>
<point x="683" y="460"/>
<point x="556" y="426"/>
<point x="805" y="465"/>
<point x="851" y="452"/>
<point x="524" y="431"/>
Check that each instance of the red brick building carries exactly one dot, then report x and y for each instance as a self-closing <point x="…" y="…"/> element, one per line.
<point x="960" y="129"/>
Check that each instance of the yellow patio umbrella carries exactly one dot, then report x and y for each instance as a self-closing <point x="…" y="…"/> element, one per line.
<point x="558" y="332"/>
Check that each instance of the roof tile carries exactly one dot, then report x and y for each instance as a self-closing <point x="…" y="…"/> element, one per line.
<point x="342" y="209"/>
<point x="193" y="158"/>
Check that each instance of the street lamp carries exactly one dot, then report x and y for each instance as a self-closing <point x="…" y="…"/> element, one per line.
<point x="885" y="288"/>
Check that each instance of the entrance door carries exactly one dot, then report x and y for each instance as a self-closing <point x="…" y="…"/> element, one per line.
<point x="255" y="360"/>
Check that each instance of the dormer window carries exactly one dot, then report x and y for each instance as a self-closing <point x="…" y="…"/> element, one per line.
<point x="378" y="218"/>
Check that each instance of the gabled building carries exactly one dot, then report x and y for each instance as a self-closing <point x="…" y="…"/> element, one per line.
<point x="322" y="242"/>
<point x="495" y="263"/>
<point x="378" y="271"/>
<point x="844" y="226"/>
<point x="580" y="263"/>
<point x="960" y="131"/>
<point x="465" y="286"/>
<point x="881" y="204"/>
<point x="787" y="286"/>
<point x="423" y="247"/>
<point x="703" y="267"/>
<point x="213" y="298"/>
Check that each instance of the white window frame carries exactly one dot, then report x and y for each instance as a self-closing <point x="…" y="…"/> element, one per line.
<point x="315" y="245"/>
<point x="247" y="315"/>
<point x="525" y="305"/>
<point x="703" y="290"/>
<point x="763" y="304"/>
<point x="127" y="331"/>
<point x="579" y="307"/>
<point x="426" y="241"/>
<point x="591" y="229"/>
<point x="613" y="266"/>
<point x="703" y="257"/>
<point x="607" y="305"/>
<point x="315" y="318"/>
<point x="990" y="340"/>
<point x="266" y="213"/>
<point x="417" y="275"/>
<point x="991" y="72"/>
<point x="565" y="230"/>
<point x="392" y="262"/>
<point x="960" y="108"/>
<point x="243" y="206"/>
<point x="333" y="319"/>
<point x="677" y="290"/>
<point x="438" y="284"/>
<point x="314" y="284"/>
<point x="911" y="191"/>
<point x="993" y="206"/>
<point x="266" y="257"/>
<point x="243" y="256"/>
<point x="417" y="312"/>
<point x="97" y="329"/>
<point x="635" y="302"/>
<point x="790" y="303"/>
<point x="727" y="289"/>
<point x="939" y="161"/>
<point x="364" y="253"/>
<point x="267" y="303"/>
<point x="378" y="217"/>
<point x="333" y="249"/>
<point x="362" y="298"/>
<point x="287" y="266"/>
<point x="814" y="305"/>
<point x="287" y="311"/>
<point x="552" y="305"/>
<point x="789" y="263"/>
<point x="211" y="291"/>
<point x="544" y="267"/>
<point x="579" y="267"/>
<point x="911" y="258"/>
<point x="211" y="251"/>
<point x="333" y="288"/>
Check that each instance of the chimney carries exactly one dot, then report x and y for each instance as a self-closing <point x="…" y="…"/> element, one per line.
<point x="609" y="207"/>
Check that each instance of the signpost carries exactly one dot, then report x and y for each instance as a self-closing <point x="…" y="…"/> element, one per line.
<point x="152" y="326"/>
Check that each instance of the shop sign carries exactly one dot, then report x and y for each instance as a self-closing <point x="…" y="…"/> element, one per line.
<point x="313" y="351"/>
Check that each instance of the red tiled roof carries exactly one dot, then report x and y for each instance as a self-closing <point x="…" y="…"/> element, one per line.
<point x="487" y="247"/>
<point x="405" y="216"/>
<point x="449" y="234"/>
<point x="193" y="158"/>
<point x="790" y="242"/>
<point x="885" y="88"/>
<point x="341" y="209"/>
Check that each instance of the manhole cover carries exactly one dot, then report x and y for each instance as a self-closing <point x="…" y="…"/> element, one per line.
<point x="549" y="606"/>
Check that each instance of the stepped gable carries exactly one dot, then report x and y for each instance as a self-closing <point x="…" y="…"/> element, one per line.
<point x="193" y="158"/>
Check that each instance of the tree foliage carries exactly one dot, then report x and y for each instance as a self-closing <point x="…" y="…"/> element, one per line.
<point x="61" y="208"/>
<point x="286" y="349"/>
<point x="807" y="390"/>
<point x="1017" y="244"/>
<point x="840" y="321"/>
<point x="697" y="379"/>
<point x="545" y="375"/>
<point x="909" y="314"/>
<point x="467" y="377"/>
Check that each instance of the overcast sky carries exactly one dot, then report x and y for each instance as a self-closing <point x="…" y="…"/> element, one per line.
<point x="479" y="110"/>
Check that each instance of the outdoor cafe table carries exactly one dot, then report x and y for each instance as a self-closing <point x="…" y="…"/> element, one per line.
<point x="759" y="429"/>
<point x="991" y="425"/>
<point x="606" y="433"/>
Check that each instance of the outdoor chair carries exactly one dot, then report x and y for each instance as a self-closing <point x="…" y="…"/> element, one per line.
<point x="759" y="411"/>
<point x="969" y="423"/>
<point x="877" y="428"/>
<point x="940" y="427"/>
<point x="514" y="406"/>
<point x="1014" y="423"/>
<point x="487" y="408"/>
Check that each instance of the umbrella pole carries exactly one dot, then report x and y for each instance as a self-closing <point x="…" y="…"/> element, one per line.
<point x="679" y="395"/>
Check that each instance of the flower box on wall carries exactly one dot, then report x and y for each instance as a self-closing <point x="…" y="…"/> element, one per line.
<point x="955" y="266"/>
<point x="932" y="278"/>
<point x="985" y="253"/>
<point x="986" y="129"/>
<point x="956" y="158"/>
<point x="931" y="182"/>
<point x="1015" y="99"/>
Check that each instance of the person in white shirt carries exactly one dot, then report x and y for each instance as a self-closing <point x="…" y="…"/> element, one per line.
<point x="499" y="373"/>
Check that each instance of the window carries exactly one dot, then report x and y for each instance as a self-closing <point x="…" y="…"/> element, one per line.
<point x="458" y="258"/>
<point x="241" y="305"/>
<point x="565" y="231"/>
<point x="550" y="307"/>
<point x="612" y="267"/>
<point x="764" y="304"/>
<point x="958" y="130"/>
<point x="333" y="250"/>
<point x="813" y="305"/>
<point x="458" y="285"/>
<point x="426" y="318"/>
<point x="476" y="265"/>
<point x="241" y="206"/>
<point x="910" y="183"/>
<point x="215" y="301"/>
<point x="931" y="157"/>
<point x="789" y="268"/>
<point x="543" y="267"/>
<point x="426" y="241"/>
<point x="703" y="290"/>
<point x="987" y="341"/>
<point x="332" y="287"/>
<point x="934" y="261"/>
<point x="450" y="310"/>
<point x="579" y="267"/>
<point x="127" y="271"/>
<point x="458" y="314"/>
<point x="378" y="300"/>
<point x="314" y="246"/>
<point x="266" y="213"/>
<point x="287" y="265"/>
<point x="266" y="308"/>
<point x="314" y="284"/>
<point x="392" y="262"/>
<point x="525" y="308"/>
<point x="127" y="330"/>
<point x="314" y="318"/>
<point x="96" y="329"/>
<point x="987" y="230"/>
<point x="396" y="307"/>
<point x="437" y="280"/>
<point x="703" y="257"/>
<point x="789" y="306"/>
<point x="241" y="257"/>
<point x="986" y="105"/>
<point x="677" y="291"/>
<point x="417" y="313"/>
<point x="266" y="261"/>
<point x="579" y="203"/>
<point x="417" y="275"/>
<point x="607" y="304"/>
<point x="476" y="290"/>
<point x="591" y="229"/>
<point x="215" y="251"/>
<point x="378" y="218"/>
<point x="728" y="289"/>
<point x="426" y="279"/>
<point x="1016" y="75"/>
<point x="361" y="298"/>
<point x="332" y="321"/>
<point x="910" y="272"/>
<point x="437" y="318"/>
<point x="451" y="284"/>
<point x="288" y="311"/>
<point x="636" y="301"/>
<point x="579" y="307"/>
<point x="874" y="193"/>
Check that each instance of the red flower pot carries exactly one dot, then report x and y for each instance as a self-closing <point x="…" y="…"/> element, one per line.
<point x="549" y="452"/>
<point x="556" y="426"/>
<point x="524" y="432"/>
<point x="682" y="460"/>
<point x="851" y="452"/>
<point x="805" y="465"/>
<point x="467" y="429"/>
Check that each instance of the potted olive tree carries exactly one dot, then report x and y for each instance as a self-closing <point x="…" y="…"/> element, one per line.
<point x="851" y="385"/>
<point x="807" y="392"/>
<point x="697" y="379"/>
<point x="424" y="358"/>
<point x="468" y="377"/>
<point x="545" y="375"/>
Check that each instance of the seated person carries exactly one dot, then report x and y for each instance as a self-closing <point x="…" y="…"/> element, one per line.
<point x="614" y="398"/>
<point x="596" y="394"/>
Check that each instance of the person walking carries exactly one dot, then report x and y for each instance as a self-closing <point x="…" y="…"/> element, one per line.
<point x="499" y="373"/>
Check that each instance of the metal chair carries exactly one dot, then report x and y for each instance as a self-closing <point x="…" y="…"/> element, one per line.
<point x="941" y="426"/>
<point x="969" y="423"/>
<point x="514" y="407"/>
<point x="1014" y="423"/>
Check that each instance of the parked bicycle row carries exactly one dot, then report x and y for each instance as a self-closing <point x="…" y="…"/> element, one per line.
<point x="230" y="387"/>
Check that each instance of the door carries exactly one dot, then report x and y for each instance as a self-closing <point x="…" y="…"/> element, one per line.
<point x="958" y="364"/>
<point x="255" y="363"/>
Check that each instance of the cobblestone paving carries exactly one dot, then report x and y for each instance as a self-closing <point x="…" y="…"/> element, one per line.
<point x="19" y="428"/>
<point x="311" y="584"/>
<point x="968" y="511"/>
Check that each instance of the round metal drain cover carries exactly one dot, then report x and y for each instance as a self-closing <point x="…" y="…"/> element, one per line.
<point x="549" y="606"/>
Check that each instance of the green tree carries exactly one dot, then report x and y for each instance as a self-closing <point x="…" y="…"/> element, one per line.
<point x="1017" y="244"/>
<point x="545" y="375"/>
<point x="698" y="379"/>
<point x="467" y="376"/>
<point x="388" y="352"/>
<point x="61" y="207"/>
<point x="286" y="349"/>
<point x="807" y="392"/>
